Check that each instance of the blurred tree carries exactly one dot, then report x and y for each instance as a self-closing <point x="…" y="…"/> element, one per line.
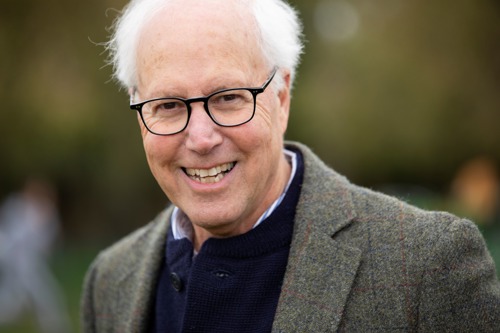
<point x="408" y="95"/>
<point x="388" y="91"/>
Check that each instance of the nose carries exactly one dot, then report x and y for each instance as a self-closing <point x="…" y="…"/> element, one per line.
<point x="202" y="134"/>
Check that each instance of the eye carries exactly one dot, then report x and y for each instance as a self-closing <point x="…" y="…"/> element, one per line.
<point x="231" y="98"/>
<point x="164" y="107"/>
<point x="227" y="97"/>
<point x="169" y="105"/>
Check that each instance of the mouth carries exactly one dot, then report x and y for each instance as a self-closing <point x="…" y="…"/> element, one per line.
<point x="209" y="176"/>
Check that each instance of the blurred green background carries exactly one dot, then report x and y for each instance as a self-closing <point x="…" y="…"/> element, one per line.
<point x="400" y="96"/>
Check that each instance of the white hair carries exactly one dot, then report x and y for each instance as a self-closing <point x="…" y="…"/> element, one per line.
<point x="279" y="34"/>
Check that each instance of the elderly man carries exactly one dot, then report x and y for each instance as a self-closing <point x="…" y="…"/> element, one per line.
<point x="261" y="236"/>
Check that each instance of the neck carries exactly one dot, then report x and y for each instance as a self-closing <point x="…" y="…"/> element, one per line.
<point x="235" y="228"/>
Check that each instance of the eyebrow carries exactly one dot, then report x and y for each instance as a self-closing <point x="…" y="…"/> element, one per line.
<point x="160" y="93"/>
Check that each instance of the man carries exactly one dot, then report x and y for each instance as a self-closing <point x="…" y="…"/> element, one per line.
<point x="261" y="235"/>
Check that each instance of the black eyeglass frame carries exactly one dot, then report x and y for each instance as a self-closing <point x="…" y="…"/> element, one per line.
<point x="187" y="101"/>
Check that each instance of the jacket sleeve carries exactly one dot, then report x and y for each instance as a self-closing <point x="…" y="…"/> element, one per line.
<point x="460" y="291"/>
<point x="87" y="308"/>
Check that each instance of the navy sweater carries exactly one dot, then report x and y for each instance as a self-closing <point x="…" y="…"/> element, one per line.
<point x="233" y="284"/>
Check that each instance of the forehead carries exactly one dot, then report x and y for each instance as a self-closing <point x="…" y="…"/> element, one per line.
<point x="197" y="40"/>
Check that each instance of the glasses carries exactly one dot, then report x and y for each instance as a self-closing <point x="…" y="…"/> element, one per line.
<point x="227" y="108"/>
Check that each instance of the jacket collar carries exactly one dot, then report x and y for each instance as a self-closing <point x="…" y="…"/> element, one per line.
<point x="321" y="267"/>
<point x="141" y="281"/>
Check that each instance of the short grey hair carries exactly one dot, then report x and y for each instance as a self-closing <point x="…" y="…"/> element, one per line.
<point x="279" y="34"/>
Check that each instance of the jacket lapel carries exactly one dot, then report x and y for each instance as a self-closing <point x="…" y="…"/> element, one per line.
<point x="321" y="268"/>
<point x="140" y="283"/>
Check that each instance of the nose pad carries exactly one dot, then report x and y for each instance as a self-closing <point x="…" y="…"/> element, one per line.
<point x="203" y="134"/>
<point x="199" y="115"/>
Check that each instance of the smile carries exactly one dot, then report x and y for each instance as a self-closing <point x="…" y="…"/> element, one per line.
<point x="209" y="176"/>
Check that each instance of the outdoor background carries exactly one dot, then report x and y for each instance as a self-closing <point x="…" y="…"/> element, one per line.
<point x="402" y="96"/>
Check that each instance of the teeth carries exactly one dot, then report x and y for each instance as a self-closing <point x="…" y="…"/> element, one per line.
<point x="212" y="172"/>
<point x="211" y="175"/>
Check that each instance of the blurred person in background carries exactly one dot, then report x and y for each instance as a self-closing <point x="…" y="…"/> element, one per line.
<point x="475" y="191"/>
<point x="29" y="225"/>
<point x="261" y="235"/>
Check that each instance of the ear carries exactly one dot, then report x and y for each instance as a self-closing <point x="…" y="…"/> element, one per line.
<point x="284" y="97"/>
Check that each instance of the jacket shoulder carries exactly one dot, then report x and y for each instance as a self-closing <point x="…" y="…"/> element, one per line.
<point x="116" y="259"/>
<point x="439" y="261"/>
<point x="376" y="206"/>
<point x="119" y="281"/>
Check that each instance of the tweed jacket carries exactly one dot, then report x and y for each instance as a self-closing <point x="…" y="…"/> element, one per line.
<point x="359" y="261"/>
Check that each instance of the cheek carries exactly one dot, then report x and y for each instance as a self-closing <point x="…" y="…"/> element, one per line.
<point x="161" y="160"/>
<point x="267" y="114"/>
<point x="272" y="118"/>
<point x="157" y="150"/>
<point x="153" y="156"/>
<point x="257" y="132"/>
<point x="261" y="137"/>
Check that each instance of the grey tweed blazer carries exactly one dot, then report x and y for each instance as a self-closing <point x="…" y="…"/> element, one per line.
<point x="359" y="261"/>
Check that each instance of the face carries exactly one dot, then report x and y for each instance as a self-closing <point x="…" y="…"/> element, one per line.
<point x="194" y="55"/>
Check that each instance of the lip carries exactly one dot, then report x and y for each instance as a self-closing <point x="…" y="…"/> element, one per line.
<point x="210" y="177"/>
